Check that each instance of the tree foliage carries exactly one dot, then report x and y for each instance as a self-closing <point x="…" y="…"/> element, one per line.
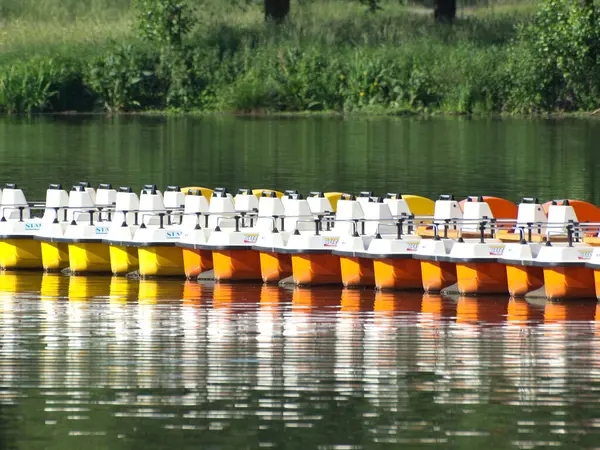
<point x="163" y="21"/>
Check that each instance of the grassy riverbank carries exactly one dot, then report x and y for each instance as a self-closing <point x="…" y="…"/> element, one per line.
<point x="85" y="55"/>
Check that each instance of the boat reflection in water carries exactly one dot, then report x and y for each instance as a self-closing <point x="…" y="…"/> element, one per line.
<point x="232" y="354"/>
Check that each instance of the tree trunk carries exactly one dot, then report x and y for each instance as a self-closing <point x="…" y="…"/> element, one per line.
<point x="277" y="10"/>
<point x="445" y="11"/>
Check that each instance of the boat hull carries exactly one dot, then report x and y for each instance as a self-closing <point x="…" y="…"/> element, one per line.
<point x="196" y="261"/>
<point x="275" y="266"/>
<point x="357" y="272"/>
<point x="475" y="278"/>
<point x="311" y="269"/>
<point x="564" y="282"/>
<point x="236" y="265"/>
<point x="160" y="261"/>
<point x="437" y="275"/>
<point x="20" y="254"/>
<point x="55" y="256"/>
<point x="89" y="257"/>
<point x="392" y="273"/>
<point x="523" y="279"/>
<point x="123" y="259"/>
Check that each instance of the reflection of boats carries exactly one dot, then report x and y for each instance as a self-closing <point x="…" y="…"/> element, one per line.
<point x="522" y="312"/>
<point x="482" y="309"/>
<point x="569" y="311"/>
<point x="272" y="295"/>
<point x="322" y="299"/>
<point x="357" y="300"/>
<point x="230" y="295"/>
<point x="437" y="306"/>
<point x="154" y="291"/>
<point x="85" y="288"/>
<point x="54" y="286"/>
<point x="393" y="303"/>
<point x="12" y="283"/>
<point x="122" y="289"/>
<point x="195" y="293"/>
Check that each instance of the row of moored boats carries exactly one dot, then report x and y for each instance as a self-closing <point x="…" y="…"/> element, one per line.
<point x="480" y="245"/>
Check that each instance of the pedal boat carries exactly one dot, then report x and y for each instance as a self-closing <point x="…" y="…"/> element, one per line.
<point x="565" y="255"/>
<point x="234" y="256"/>
<point x="477" y="249"/>
<point x="379" y="218"/>
<point x="125" y="221"/>
<point x="87" y="229"/>
<point x="55" y="255"/>
<point x="159" y="232"/>
<point x="18" y="248"/>
<point x="274" y="265"/>
<point x="310" y="251"/>
<point x="195" y="232"/>
<point x="522" y="246"/>
<point x="437" y="274"/>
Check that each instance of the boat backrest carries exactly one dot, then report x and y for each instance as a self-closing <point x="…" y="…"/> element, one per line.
<point x="221" y="205"/>
<point x="80" y="203"/>
<point x="174" y="198"/>
<point x="530" y="211"/>
<point x="364" y="197"/>
<point x="298" y="215"/>
<point x="195" y="202"/>
<point x="13" y="199"/>
<point x="378" y="216"/>
<point x="268" y="207"/>
<point x="90" y="190"/>
<point x="398" y="206"/>
<point x="319" y="204"/>
<point x="475" y="209"/>
<point x="446" y="208"/>
<point x="245" y="201"/>
<point x="126" y="200"/>
<point x="559" y="216"/>
<point x="348" y="210"/>
<point x="151" y="203"/>
<point x="56" y="201"/>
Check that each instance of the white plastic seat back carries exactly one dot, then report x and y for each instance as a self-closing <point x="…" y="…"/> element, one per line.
<point x="80" y="204"/>
<point x="474" y="211"/>
<point x="195" y="203"/>
<point x="221" y="205"/>
<point x="56" y="201"/>
<point x="298" y="215"/>
<point x="319" y="204"/>
<point x="347" y="212"/>
<point x="559" y="217"/>
<point x="530" y="211"/>
<point x="151" y="204"/>
<point x="378" y="218"/>
<point x="364" y="197"/>
<point x="245" y="201"/>
<point x="126" y="200"/>
<point x="268" y="207"/>
<point x="446" y="208"/>
<point x="13" y="199"/>
<point x="174" y="198"/>
<point x="398" y="206"/>
<point x="106" y="196"/>
<point x="289" y="195"/>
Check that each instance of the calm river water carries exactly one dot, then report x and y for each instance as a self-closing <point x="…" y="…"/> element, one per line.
<point x="102" y="362"/>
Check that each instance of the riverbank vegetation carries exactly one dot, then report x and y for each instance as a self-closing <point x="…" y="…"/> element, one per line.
<point x="109" y="55"/>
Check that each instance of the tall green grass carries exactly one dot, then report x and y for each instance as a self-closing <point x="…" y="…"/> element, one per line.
<point x="83" y="55"/>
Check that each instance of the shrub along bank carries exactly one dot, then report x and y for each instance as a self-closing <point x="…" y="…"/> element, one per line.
<point x="330" y="56"/>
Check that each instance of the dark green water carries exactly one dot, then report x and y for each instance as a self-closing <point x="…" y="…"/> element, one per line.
<point x="509" y="158"/>
<point x="101" y="363"/>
